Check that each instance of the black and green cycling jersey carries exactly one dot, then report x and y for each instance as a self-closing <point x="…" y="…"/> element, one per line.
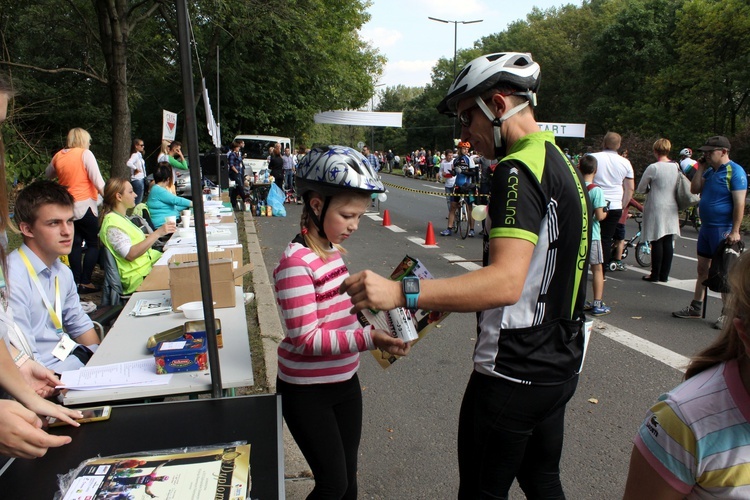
<point x="536" y="195"/>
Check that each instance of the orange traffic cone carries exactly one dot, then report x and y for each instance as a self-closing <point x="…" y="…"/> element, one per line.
<point x="386" y="218"/>
<point x="429" y="238"/>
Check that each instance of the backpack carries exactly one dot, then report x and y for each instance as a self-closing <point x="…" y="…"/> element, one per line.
<point x="721" y="264"/>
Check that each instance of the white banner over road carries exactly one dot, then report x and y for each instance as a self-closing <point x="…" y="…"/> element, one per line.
<point x="361" y="118"/>
<point x="564" y="129"/>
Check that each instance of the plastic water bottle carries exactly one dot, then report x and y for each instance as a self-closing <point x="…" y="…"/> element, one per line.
<point x="265" y="177"/>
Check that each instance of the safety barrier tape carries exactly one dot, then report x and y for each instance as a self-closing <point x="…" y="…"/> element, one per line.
<point x="432" y="193"/>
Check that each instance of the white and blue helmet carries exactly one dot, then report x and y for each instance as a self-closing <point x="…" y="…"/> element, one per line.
<point x="329" y="170"/>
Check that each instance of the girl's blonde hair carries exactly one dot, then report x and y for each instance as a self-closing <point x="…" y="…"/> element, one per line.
<point x="78" y="138"/>
<point x="307" y="225"/>
<point x="164" y="149"/>
<point x="728" y="345"/>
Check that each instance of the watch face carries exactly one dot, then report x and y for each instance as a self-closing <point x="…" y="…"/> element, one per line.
<point x="411" y="285"/>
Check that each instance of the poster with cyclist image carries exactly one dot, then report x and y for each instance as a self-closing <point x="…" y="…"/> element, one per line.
<point x="422" y="320"/>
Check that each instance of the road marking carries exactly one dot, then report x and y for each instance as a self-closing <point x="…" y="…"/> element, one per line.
<point x="374" y="216"/>
<point x="685" y="285"/>
<point x="432" y="186"/>
<point x="655" y="351"/>
<point x="686" y="238"/>
<point x="686" y="257"/>
<point x="420" y="242"/>
<point x="460" y="261"/>
<point x="395" y="229"/>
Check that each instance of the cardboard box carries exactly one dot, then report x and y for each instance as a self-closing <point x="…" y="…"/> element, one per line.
<point x="184" y="278"/>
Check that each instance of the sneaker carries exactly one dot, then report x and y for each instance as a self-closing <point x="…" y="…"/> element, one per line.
<point x="690" y="312"/>
<point x="620" y="265"/>
<point x="720" y="322"/>
<point x="471" y="233"/>
<point x="447" y="232"/>
<point x="587" y="306"/>
<point x="600" y="311"/>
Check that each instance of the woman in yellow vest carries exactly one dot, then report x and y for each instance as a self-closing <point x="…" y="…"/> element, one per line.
<point x="129" y="245"/>
<point x="76" y="168"/>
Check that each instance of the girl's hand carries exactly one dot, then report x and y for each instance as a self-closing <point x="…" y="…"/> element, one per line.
<point x="391" y="345"/>
<point x="39" y="378"/>
<point x="21" y="434"/>
<point x="46" y="408"/>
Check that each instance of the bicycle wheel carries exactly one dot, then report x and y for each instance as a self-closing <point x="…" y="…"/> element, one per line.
<point x="643" y="254"/>
<point x="463" y="221"/>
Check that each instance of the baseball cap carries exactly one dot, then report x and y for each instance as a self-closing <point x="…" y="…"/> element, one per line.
<point x="715" y="142"/>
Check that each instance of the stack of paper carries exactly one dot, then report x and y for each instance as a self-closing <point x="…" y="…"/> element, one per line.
<point x="128" y="374"/>
<point x="149" y="307"/>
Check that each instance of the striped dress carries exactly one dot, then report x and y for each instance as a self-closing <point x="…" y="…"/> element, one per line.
<point x="323" y="339"/>
<point x="697" y="437"/>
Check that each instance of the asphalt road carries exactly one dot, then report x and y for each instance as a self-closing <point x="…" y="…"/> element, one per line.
<point x="408" y="448"/>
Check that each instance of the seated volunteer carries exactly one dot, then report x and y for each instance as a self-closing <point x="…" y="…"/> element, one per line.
<point x="129" y="245"/>
<point x="44" y="296"/>
<point x="161" y="202"/>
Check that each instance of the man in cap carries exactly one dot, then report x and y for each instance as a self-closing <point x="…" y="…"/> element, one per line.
<point x="530" y="292"/>
<point x="722" y="185"/>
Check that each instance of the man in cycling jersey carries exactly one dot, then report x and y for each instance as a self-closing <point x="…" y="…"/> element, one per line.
<point x="687" y="164"/>
<point x="722" y="185"/>
<point x="530" y="292"/>
<point x="465" y="173"/>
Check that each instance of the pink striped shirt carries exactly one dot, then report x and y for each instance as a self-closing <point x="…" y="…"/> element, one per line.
<point x="323" y="339"/>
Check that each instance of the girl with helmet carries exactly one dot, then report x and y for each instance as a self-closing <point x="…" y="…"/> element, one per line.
<point x="319" y="356"/>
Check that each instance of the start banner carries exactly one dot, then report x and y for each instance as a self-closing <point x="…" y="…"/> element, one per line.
<point x="564" y="129"/>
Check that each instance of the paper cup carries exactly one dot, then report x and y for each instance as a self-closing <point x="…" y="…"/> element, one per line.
<point x="170" y="219"/>
<point x="186" y="222"/>
<point x="186" y="214"/>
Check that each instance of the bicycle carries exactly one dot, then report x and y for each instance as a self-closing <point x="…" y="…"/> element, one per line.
<point x="691" y="216"/>
<point x="461" y="217"/>
<point x="642" y="247"/>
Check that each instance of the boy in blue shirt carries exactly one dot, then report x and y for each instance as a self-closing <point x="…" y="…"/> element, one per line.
<point x="587" y="166"/>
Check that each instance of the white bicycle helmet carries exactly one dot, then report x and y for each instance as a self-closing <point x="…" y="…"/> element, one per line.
<point x="490" y="71"/>
<point x="330" y="169"/>
<point x="686" y="152"/>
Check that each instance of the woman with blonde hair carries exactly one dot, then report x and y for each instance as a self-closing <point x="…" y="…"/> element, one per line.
<point x="129" y="246"/>
<point x="76" y="168"/>
<point x="661" y="218"/>
<point x="695" y="442"/>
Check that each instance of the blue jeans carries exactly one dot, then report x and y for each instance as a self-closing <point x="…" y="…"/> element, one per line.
<point x="289" y="179"/>
<point x="508" y="430"/>
<point x="138" y="186"/>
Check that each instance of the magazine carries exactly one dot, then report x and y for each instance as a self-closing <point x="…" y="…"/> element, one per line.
<point x="401" y="320"/>
<point x="148" y="307"/>
<point x="207" y="473"/>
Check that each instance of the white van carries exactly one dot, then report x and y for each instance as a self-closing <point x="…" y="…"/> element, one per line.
<point x="255" y="153"/>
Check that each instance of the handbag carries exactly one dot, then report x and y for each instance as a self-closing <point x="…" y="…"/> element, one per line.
<point x="685" y="199"/>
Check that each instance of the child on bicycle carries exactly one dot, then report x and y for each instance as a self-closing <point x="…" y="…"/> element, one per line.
<point x="587" y="166"/>
<point x="319" y="356"/>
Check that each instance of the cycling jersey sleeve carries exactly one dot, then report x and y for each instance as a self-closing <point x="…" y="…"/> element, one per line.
<point x="516" y="205"/>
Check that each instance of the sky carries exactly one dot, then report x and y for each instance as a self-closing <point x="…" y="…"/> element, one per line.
<point x="400" y="30"/>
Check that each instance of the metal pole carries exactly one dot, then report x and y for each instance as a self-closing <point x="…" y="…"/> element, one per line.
<point x="455" y="46"/>
<point x="191" y="130"/>
<point x="218" y="125"/>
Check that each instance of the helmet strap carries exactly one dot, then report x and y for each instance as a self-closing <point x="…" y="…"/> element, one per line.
<point x="318" y="221"/>
<point x="498" y="121"/>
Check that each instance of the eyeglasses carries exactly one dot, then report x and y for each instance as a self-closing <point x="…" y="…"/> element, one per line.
<point x="464" y="117"/>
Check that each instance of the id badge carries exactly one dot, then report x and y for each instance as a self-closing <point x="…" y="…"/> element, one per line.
<point x="63" y="348"/>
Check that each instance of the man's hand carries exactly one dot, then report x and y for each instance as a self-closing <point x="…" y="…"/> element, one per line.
<point x="39" y="378"/>
<point x="389" y="344"/>
<point x="371" y="291"/>
<point x="733" y="237"/>
<point x="21" y="433"/>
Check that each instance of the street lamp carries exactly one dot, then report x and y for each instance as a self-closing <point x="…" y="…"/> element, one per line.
<point x="455" y="35"/>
